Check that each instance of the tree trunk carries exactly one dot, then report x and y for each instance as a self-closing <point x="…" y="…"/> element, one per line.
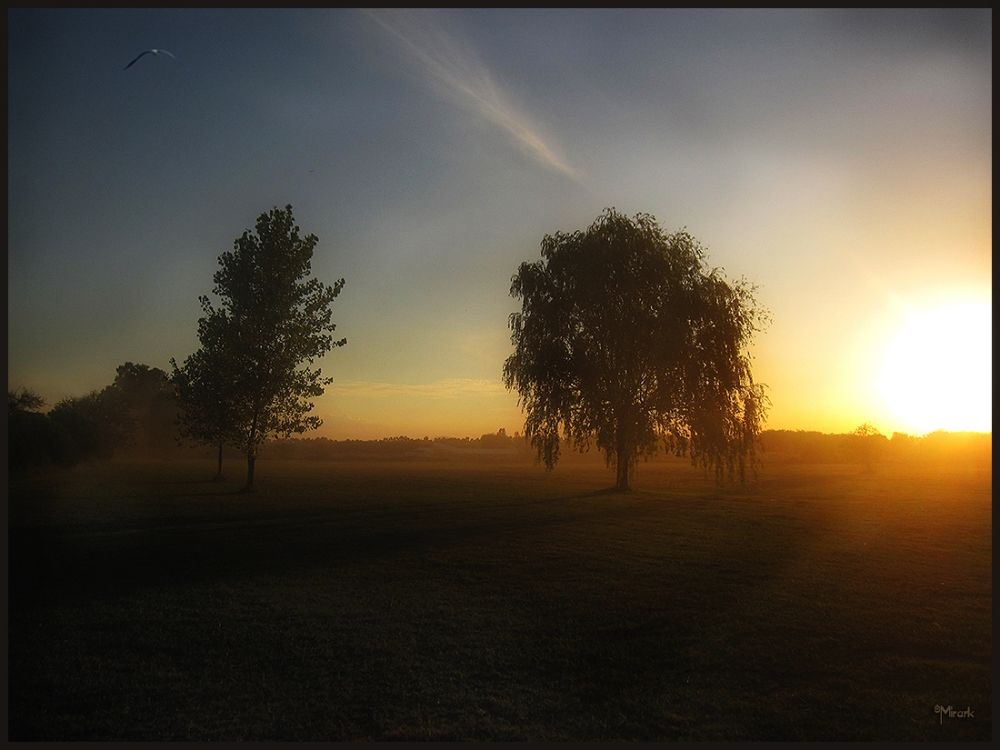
<point x="251" y="457"/>
<point x="251" y="453"/>
<point x="622" y="483"/>
<point x="623" y="462"/>
<point x="218" y="475"/>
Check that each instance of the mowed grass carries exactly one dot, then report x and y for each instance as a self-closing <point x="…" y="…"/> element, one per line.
<point x="453" y="602"/>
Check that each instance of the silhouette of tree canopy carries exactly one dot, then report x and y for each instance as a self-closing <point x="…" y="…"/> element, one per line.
<point x="23" y="399"/>
<point x="869" y="444"/>
<point x="137" y="411"/>
<point x="627" y="339"/>
<point x="33" y="439"/>
<point x="148" y="402"/>
<point x="252" y="377"/>
<point x="96" y="422"/>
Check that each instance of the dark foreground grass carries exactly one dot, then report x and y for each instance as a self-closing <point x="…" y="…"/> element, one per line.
<point x="409" y="602"/>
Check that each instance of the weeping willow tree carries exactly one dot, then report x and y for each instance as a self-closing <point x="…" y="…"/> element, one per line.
<point x="627" y="339"/>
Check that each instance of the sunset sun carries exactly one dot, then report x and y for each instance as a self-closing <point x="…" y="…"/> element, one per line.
<point x="937" y="372"/>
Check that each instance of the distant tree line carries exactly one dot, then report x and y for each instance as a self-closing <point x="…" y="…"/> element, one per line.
<point x="497" y="446"/>
<point x="868" y="447"/>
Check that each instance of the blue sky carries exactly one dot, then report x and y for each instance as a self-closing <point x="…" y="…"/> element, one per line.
<point x="840" y="160"/>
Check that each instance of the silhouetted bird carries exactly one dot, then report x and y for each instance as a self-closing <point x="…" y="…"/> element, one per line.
<point x="156" y="52"/>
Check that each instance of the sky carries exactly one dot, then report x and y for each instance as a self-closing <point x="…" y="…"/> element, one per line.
<point x="841" y="161"/>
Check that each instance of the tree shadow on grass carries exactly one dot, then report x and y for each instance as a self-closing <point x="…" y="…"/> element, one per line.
<point x="261" y="538"/>
<point x="610" y="492"/>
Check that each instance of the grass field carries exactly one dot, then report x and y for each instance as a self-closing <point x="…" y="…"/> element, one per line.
<point x="444" y="601"/>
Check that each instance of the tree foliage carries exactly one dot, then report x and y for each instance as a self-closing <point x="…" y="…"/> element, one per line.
<point x="147" y="401"/>
<point x="136" y="413"/>
<point x="252" y="378"/>
<point x="33" y="439"/>
<point x="869" y="445"/>
<point x="96" y="422"/>
<point x="23" y="400"/>
<point x="626" y="338"/>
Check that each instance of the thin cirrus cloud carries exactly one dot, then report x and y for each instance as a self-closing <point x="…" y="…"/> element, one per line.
<point x="370" y="410"/>
<point x="449" y="388"/>
<point x="450" y="65"/>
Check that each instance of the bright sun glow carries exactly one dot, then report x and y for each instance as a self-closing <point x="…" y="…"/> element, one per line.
<point x="938" y="371"/>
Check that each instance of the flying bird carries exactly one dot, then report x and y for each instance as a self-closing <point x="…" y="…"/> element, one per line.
<point x="156" y="52"/>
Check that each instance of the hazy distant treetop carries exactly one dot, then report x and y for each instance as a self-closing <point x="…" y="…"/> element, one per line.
<point x="867" y="430"/>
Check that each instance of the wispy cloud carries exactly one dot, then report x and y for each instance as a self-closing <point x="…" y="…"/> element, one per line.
<point x="452" y="66"/>
<point x="450" y="388"/>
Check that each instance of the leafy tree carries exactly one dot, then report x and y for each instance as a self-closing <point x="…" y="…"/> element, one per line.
<point x="626" y="338"/>
<point x="258" y="346"/>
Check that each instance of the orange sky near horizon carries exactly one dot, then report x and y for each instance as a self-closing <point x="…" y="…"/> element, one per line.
<point x="859" y="388"/>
